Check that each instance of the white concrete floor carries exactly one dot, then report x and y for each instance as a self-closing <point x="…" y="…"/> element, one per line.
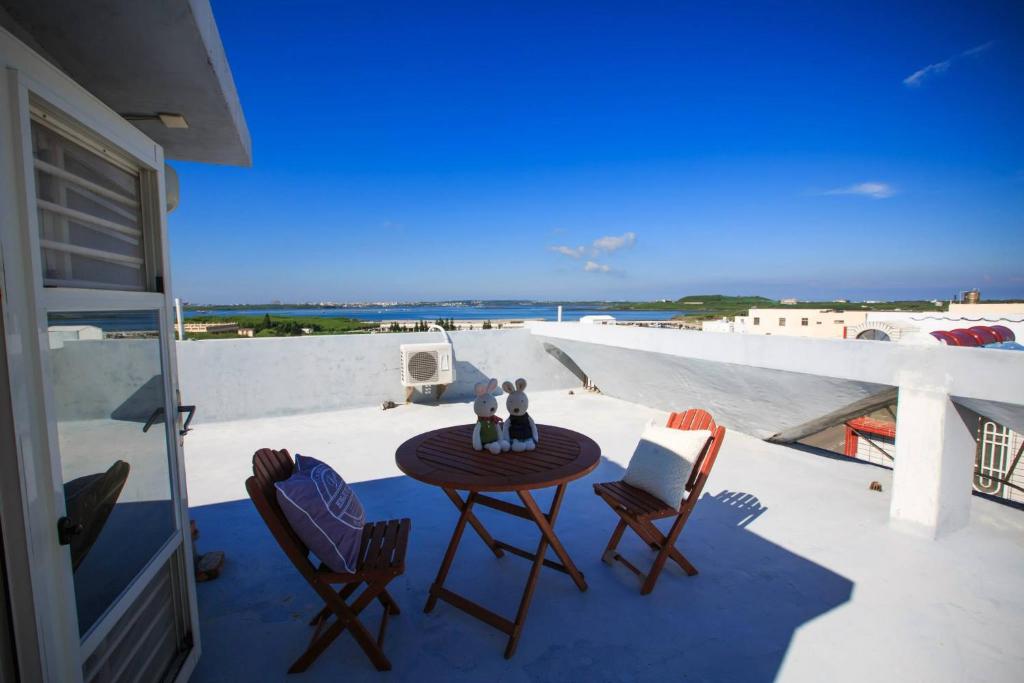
<point x="801" y="577"/>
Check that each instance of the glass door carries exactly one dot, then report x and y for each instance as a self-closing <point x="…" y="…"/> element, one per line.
<point x="111" y="401"/>
<point x="108" y="384"/>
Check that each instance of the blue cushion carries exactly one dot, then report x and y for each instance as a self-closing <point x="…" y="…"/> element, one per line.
<point x="324" y="512"/>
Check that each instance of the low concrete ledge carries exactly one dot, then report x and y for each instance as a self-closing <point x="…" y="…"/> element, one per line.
<point x="249" y="378"/>
<point x="982" y="374"/>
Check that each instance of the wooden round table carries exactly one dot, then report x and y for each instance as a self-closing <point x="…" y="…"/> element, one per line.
<point x="445" y="458"/>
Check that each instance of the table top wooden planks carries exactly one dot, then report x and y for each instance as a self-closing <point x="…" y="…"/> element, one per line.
<point x="445" y="457"/>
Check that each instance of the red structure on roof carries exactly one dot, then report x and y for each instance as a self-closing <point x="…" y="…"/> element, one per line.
<point x="866" y="425"/>
<point x="979" y="335"/>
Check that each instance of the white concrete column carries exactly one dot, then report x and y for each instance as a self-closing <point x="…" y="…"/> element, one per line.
<point x="934" y="464"/>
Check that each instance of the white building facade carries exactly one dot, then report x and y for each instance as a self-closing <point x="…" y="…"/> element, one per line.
<point x="793" y="322"/>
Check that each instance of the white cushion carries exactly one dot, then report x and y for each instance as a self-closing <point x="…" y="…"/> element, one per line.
<point x="663" y="460"/>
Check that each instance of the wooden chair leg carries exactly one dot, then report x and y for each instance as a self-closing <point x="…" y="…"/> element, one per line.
<point x="660" y="540"/>
<point x="654" y="572"/>
<point x="666" y="543"/>
<point x="389" y="602"/>
<point x="683" y="563"/>
<point x="652" y="536"/>
<point x="346" y="590"/>
<point x="608" y="556"/>
<point x="346" y="617"/>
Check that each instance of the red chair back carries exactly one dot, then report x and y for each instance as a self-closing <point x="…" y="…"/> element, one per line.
<point x="695" y="418"/>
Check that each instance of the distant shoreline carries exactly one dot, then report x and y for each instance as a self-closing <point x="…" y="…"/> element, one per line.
<point x="429" y="313"/>
<point x="691" y="308"/>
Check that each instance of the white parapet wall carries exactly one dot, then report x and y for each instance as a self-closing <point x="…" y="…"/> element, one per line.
<point x="981" y="375"/>
<point x="243" y="378"/>
<point x="763" y="385"/>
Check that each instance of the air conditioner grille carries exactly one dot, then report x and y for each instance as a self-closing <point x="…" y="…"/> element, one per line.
<point x="423" y="366"/>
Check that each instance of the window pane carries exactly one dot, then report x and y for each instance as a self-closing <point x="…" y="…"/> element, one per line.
<point x="108" y="381"/>
<point x="89" y="218"/>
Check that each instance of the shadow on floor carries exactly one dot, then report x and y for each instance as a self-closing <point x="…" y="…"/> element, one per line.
<point x="734" y="621"/>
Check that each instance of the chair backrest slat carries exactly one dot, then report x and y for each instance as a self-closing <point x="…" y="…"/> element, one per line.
<point x="269" y="467"/>
<point x="695" y="419"/>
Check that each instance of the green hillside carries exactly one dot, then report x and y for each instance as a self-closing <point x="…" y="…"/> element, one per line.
<point x="281" y="326"/>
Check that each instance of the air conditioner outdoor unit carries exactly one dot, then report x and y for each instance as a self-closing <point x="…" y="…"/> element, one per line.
<point x="428" y="364"/>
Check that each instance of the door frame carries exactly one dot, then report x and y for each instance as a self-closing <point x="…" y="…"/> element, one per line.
<point x="45" y="616"/>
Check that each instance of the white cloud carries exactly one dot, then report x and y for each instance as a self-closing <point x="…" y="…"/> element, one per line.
<point x="915" y="79"/>
<point x="612" y="243"/>
<point x="977" y="49"/>
<point x="602" y="246"/>
<point x="571" y="252"/>
<point x="875" y="190"/>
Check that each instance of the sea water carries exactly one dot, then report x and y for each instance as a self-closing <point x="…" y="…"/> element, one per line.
<point x="431" y="312"/>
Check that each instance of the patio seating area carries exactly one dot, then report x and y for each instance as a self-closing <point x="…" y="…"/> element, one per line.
<point x="801" y="577"/>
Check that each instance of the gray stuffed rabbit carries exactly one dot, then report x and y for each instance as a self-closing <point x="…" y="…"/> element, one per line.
<point x="488" y="432"/>
<point x="519" y="429"/>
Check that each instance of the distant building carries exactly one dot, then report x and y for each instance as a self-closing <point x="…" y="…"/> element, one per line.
<point x="209" y="328"/>
<point x="246" y="332"/>
<point x="788" y="302"/>
<point x="65" y="333"/>
<point x="723" y="325"/>
<point x="793" y="322"/>
<point x="916" y="327"/>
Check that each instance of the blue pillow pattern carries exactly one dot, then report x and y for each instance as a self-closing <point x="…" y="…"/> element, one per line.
<point x="324" y="513"/>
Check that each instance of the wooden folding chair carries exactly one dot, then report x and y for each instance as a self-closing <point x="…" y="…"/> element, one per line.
<point x="381" y="559"/>
<point x="637" y="509"/>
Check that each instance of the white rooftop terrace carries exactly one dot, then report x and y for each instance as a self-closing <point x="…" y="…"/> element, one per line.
<point x="802" y="577"/>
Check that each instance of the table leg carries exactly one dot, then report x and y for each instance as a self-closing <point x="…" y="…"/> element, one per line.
<point x="546" y="524"/>
<point x="524" y="602"/>
<point x="449" y="555"/>
<point x="475" y="523"/>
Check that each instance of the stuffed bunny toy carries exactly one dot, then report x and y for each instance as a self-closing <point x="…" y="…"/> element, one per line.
<point x="487" y="433"/>
<point x="519" y="430"/>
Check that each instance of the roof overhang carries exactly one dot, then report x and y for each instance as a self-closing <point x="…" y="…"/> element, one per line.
<point x="144" y="59"/>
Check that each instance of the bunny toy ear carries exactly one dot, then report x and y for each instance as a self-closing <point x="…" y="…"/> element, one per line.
<point x="507" y="386"/>
<point x="520" y="384"/>
<point x="480" y="388"/>
<point x="491" y="386"/>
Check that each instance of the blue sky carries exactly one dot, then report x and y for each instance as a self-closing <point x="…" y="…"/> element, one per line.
<point x="613" y="151"/>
